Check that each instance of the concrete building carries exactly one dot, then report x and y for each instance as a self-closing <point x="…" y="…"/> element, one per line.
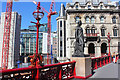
<point x="98" y="18"/>
<point x="14" y="38"/>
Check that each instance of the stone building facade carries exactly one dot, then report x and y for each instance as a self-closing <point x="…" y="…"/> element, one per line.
<point x="98" y="19"/>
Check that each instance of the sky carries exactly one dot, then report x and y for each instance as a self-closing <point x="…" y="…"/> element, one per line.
<point x="25" y="9"/>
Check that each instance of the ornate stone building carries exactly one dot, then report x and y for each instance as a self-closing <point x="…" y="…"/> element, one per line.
<point x="99" y="17"/>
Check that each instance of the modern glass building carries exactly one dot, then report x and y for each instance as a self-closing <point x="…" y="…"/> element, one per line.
<point x="28" y="40"/>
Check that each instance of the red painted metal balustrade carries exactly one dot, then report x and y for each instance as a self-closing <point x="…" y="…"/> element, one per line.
<point x="60" y="71"/>
<point x="101" y="61"/>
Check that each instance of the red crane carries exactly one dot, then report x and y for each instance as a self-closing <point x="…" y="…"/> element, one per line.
<point x="50" y="13"/>
<point x="6" y="35"/>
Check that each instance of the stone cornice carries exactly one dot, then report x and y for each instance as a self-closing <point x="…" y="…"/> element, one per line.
<point x="92" y="11"/>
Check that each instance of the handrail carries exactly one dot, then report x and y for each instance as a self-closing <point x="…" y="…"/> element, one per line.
<point x="57" y="71"/>
<point x="100" y="61"/>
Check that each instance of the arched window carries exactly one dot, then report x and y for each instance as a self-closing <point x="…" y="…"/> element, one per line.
<point x="103" y="31"/>
<point x="102" y="19"/>
<point x="87" y="30"/>
<point x="115" y="31"/>
<point x="114" y="19"/>
<point x="93" y="30"/>
<point x="87" y="19"/>
<point x="92" y="19"/>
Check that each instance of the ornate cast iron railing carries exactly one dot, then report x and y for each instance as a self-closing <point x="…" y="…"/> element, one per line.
<point x="60" y="71"/>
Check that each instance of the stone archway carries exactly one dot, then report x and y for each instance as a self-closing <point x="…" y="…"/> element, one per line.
<point x="91" y="49"/>
<point x="103" y="49"/>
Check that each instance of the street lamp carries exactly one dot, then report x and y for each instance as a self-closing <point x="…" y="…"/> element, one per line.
<point x="38" y="15"/>
<point x="109" y="39"/>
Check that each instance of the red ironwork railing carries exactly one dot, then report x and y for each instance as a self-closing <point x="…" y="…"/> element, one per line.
<point x="91" y="34"/>
<point x="100" y="61"/>
<point x="60" y="71"/>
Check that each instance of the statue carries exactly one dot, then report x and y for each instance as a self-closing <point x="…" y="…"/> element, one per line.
<point x="79" y="44"/>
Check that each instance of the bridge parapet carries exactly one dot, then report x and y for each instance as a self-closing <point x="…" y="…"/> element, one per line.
<point x="101" y="61"/>
<point x="58" y="71"/>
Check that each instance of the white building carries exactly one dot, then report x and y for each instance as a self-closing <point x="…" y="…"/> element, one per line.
<point x="14" y="38"/>
<point x="98" y="18"/>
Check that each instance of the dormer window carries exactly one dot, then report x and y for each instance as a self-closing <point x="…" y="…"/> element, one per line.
<point x="89" y="6"/>
<point x="101" y="6"/>
<point x="76" y="6"/>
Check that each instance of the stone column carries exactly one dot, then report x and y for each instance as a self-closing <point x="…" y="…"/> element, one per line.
<point x="97" y="51"/>
<point x="85" y="50"/>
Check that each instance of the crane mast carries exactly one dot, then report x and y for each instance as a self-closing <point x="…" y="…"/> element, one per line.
<point x="49" y="30"/>
<point x="6" y="35"/>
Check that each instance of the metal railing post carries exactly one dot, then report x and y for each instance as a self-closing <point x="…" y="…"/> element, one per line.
<point x="60" y="72"/>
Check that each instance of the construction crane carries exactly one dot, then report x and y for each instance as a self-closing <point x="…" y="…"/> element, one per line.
<point x="50" y="13"/>
<point x="6" y="35"/>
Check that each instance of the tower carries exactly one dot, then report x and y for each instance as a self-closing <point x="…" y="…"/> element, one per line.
<point x="61" y="29"/>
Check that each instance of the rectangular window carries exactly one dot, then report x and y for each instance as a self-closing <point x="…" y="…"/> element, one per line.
<point x="87" y="31"/>
<point x="60" y="23"/>
<point x="60" y="53"/>
<point x="102" y="32"/>
<point x="60" y="43"/>
<point x="61" y="33"/>
<point x="93" y="31"/>
<point x="115" y="32"/>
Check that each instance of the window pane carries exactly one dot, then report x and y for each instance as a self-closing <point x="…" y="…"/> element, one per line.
<point x="89" y="6"/>
<point x="101" y="6"/>
<point x="60" y="23"/>
<point x="92" y="30"/>
<point x="76" y="6"/>
<point x="92" y="20"/>
<point x="102" y="32"/>
<point x="102" y="19"/>
<point x="114" y="19"/>
<point x="115" y="32"/>
<point x="87" y="19"/>
<point x="87" y="30"/>
<point x="61" y="33"/>
<point x="77" y="18"/>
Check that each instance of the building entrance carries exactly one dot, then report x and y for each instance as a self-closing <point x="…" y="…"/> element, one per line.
<point x="91" y="49"/>
<point x="103" y="49"/>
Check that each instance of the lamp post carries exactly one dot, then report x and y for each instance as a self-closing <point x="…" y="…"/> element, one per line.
<point x="109" y="39"/>
<point x="38" y="15"/>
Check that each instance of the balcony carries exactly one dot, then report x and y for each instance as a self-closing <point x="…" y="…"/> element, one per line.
<point x="91" y="34"/>
<point x="92" y="37"/>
